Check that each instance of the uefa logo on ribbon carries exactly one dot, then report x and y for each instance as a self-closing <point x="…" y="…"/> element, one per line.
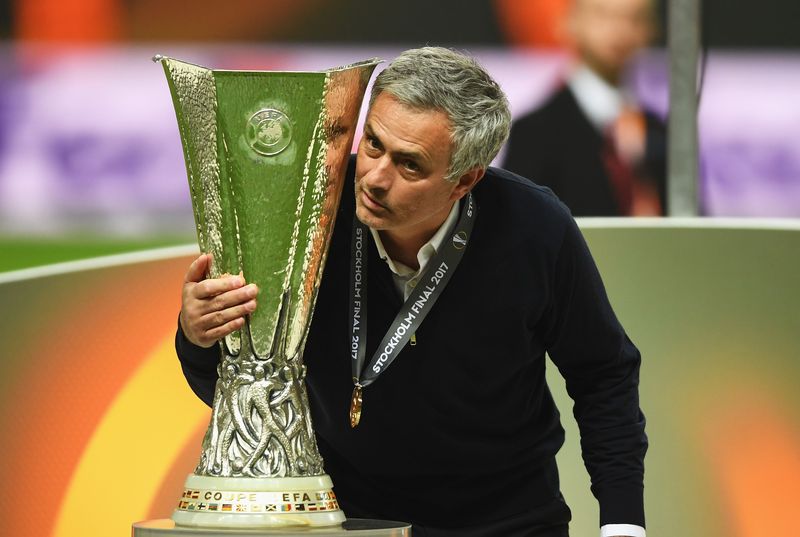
<point x="269" y="132"/>
<point x="459" y="240"/>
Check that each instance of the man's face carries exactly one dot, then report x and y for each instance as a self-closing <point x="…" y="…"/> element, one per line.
<point x="608" y="33"/>
<point x="400" y="172"/>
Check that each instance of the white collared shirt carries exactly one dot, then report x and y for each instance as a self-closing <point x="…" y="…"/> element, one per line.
<point x="600" y="101"/>
<point x="405" y="279"/>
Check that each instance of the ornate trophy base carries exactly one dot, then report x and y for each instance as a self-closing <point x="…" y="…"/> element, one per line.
<point x="353" y="527"/>
<point x="247" y="502"/>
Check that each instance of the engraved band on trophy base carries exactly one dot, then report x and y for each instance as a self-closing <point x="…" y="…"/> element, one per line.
<point x="266" y="155"/>
<point x="231" y="502"/>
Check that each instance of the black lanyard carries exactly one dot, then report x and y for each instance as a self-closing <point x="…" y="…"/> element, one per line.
<point x="414" y="310"/>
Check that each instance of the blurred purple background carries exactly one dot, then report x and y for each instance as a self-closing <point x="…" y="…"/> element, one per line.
<point x="89" y="141"/>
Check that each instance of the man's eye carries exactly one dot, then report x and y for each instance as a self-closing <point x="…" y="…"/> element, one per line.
<point x="373" y="142"/>
<point x="410" y="165"/>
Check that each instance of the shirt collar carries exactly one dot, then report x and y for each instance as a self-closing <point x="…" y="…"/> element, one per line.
<point x="599" y="100"/>
<point x="428" y="250"/>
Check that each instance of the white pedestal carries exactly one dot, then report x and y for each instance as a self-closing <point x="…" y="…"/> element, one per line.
<point x="350" y="528"/>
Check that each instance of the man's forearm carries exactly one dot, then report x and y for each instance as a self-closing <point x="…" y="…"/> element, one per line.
<point x="199" y="366"/>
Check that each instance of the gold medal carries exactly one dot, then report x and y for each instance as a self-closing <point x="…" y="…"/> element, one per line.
<point x="355" y="407"/>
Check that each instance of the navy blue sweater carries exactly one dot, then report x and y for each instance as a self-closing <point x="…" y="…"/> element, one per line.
<point x="461" y="430"/>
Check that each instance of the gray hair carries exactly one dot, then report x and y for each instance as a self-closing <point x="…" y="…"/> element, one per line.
<point x="435" y="78"/>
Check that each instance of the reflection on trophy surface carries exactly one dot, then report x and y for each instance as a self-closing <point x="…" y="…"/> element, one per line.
<point x="266" y="154"/>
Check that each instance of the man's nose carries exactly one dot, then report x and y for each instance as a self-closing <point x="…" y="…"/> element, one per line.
<point x="380" y="175"/>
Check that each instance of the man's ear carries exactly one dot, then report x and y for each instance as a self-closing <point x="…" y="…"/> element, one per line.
<point x="467" y="182"/>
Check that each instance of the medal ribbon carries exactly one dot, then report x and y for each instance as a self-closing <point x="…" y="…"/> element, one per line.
<point x="414" y="310"/>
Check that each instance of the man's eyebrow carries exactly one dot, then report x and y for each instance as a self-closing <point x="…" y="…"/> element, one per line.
<point x="411" y="155"/>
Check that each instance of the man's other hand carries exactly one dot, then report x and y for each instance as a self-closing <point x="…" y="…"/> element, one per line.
<point x="212" y="308"/>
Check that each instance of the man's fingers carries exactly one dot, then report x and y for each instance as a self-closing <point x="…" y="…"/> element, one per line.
<point x="213" y="308"/>
<point x="215" y="319"/>
<point x="228" y="299"/>
<point x="205" y="330"/>
<point x="221" y="331"/>
<point x="197" y="270"/>
<point x="215" y="286"/>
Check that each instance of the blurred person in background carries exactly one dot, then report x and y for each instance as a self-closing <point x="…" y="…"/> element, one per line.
<point x="599" y="152"/>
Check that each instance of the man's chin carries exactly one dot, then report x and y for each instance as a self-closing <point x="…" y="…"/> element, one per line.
<point x="366" y="217"/>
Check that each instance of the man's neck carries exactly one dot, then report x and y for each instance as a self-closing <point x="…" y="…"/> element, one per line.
<point x="403" y="245"/>
<point x="611" y="77"/>
<point x="404" y="249"/>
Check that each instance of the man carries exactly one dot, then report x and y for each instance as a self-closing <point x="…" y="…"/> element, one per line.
<point x="589" y="142"/>
<point x="459" y="435"/>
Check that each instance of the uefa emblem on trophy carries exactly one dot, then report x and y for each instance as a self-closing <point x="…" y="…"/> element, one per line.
<point x="266" y="155"/>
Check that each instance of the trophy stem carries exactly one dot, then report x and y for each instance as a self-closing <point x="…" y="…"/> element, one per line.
<point x="261" y="421"/>
<point x="260" y="465"/>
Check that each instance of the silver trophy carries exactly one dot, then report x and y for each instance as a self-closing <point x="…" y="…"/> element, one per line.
<point x="266" y="155"/>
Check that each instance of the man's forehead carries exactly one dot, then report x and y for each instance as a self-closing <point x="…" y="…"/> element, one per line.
<point x="407" y="130"/>
<point x="404" y="105"/>
<point x="408" y="117"/>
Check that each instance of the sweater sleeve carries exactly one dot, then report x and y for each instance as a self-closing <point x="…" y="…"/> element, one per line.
<point x="199" y="366"/>
<point x="601" y="368"/>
